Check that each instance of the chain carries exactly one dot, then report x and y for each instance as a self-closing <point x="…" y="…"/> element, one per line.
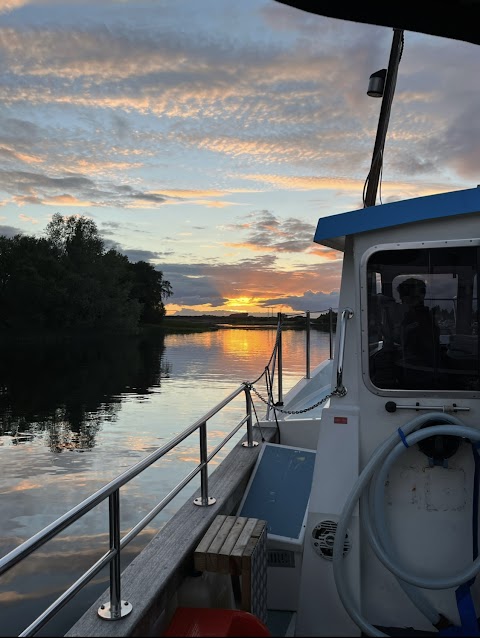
<point x="337" y="392"/>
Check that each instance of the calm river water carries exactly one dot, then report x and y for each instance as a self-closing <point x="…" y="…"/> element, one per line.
<point x="74" y="416"/>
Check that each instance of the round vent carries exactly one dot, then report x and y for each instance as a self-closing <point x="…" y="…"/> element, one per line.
<point x="323" y="538"/>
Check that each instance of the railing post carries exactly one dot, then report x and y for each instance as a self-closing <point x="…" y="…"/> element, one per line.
<point x="249" y="442"/>
<point x="280" y="364"/>
<point x="330" y="314"/>
<point x="307" y="347"/>
<point x="116" y="608"/>
<point x="204" y="500"/>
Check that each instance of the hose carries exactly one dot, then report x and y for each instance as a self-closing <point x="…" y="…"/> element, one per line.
<point x="369" y="487"/>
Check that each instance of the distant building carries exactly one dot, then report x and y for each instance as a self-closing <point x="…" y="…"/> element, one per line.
<point x="238" y="315"/>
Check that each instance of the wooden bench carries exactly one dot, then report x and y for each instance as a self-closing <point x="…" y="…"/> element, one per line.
<point x="237" y="545"/>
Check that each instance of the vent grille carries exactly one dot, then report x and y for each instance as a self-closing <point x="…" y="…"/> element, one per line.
<point x="280" y="558"/>
<point x="323" y="538"/>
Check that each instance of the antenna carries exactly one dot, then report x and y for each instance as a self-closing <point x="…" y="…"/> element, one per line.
<point x="389" y="90"/>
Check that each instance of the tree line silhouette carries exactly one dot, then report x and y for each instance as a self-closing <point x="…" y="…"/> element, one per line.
<point x="68" y="281"/>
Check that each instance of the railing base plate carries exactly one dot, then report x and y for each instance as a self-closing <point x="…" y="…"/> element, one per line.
<point x="105" y="611"/>
<point x="199" y="501"/>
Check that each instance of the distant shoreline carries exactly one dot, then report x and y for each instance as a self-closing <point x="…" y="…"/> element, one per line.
<point x="185" y="323"/>
<point x="170" y="325"/>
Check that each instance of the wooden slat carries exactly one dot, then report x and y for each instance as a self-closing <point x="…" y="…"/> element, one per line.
<point x="217" y="542"/>
<point x="253" y="540"/>
<point x="223" y="564"/>
<point x="200" y="556"/>
<point x="240" y="545"/>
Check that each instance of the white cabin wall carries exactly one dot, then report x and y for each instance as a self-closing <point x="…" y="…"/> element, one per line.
<point x="431" y="531"/>
<point x="429" y="509"/>
<point x="321" y="612"/>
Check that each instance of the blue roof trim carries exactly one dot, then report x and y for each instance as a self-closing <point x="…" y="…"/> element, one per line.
<point x="404" y="212"/>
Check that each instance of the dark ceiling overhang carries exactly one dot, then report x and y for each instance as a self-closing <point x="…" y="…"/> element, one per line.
<point x="454" y="19"/>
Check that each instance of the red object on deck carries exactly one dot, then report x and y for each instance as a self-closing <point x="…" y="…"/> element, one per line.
<point x="199" y="621"/>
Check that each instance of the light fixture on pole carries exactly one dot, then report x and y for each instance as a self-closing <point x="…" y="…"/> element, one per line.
<point x="376" y="83"/>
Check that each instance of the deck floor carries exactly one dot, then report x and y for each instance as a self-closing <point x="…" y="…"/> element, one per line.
<point x="281" y="623"/>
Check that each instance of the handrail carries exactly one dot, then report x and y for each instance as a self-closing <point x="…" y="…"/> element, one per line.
<point x="347" y="314"/>
<point x="280" y="362"/>
<point x="118" y="608"/>
<point x="307" y="346"/>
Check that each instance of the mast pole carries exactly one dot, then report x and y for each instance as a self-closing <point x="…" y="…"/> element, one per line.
<point x="384" y="117"/>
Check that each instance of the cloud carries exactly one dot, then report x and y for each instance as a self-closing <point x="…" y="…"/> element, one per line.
<point x="460" y="143"/>
<point x="29" y="220"/>
<point x="289" y="100"/>
<point x="267" y="233"/>
<point x="73" y="190"/>
<point x="65" y="200"/>
<point x="403" y="190"/>
<point x="11" y="5"/>
<point x="313" y="301"/>
<point x="10" y="154"/>
<point x="135" y="255"/>
<point x="259" y="279"/>
<point x="10" y="231"/>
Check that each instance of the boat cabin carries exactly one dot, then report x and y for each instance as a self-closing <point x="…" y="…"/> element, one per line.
<point x="407" y="346"/>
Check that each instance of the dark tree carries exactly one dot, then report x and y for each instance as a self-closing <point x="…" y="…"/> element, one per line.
<point x="31" y="283"/>
<point x="150" y="289"/>
<point x="75" y="237"/>
<point x="68" y="281"/>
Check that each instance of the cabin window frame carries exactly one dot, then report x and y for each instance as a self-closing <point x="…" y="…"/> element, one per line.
<point x="365" y="347"/>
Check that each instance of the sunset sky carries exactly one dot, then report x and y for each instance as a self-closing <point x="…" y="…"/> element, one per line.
<point x="208" y="136"/>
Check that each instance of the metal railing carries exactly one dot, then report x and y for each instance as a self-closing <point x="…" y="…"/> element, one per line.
<point x="346" y="315"/>
<point x="277" y="355"/>
<point x="117" y="608"/>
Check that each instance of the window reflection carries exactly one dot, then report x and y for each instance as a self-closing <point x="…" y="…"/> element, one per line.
<point x="423" y="319"/>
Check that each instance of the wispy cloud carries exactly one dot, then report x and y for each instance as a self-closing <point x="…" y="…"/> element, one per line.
<point x="266" y="232"/>
<point x="344" y="185"/>
<point x="26" y="218"/>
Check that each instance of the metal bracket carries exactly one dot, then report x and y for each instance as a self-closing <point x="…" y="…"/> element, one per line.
<point x="201" y="502"/>
<point x="105" y="611"/>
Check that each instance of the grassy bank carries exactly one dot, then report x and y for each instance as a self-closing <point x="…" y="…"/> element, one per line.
<point x="183" y="326"/>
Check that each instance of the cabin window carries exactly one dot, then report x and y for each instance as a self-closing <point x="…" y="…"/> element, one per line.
<point x="422" y="316"/>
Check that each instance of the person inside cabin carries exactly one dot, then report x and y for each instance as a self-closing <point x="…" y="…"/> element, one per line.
<point x="418" y="337"/>
<point x="409" y="355"/>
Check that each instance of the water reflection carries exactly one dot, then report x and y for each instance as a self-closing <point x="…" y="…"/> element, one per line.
<point x="115" y="401"/>
<point x="65" y="390"/>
